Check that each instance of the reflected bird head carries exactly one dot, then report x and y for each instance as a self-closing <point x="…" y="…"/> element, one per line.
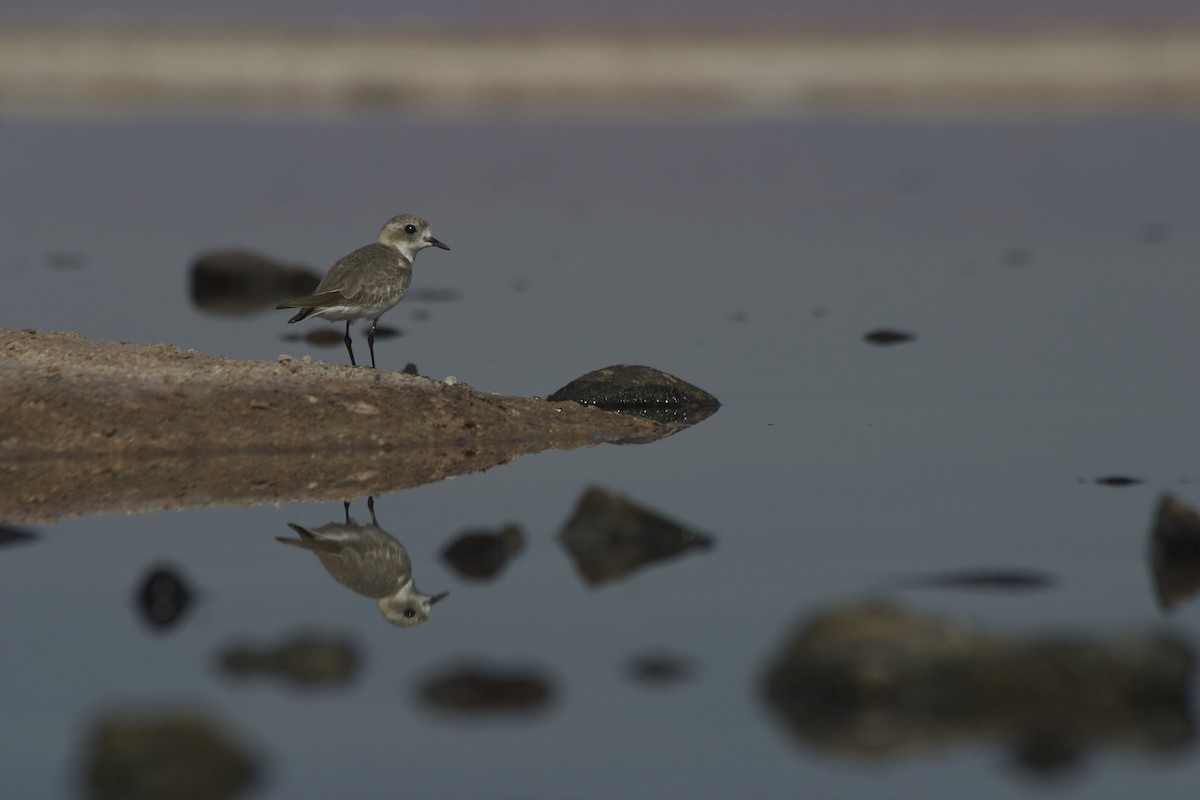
<point x="408" y="607"/>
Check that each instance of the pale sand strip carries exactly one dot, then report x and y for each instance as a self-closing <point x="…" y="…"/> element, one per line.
<point x="78" y="70"/>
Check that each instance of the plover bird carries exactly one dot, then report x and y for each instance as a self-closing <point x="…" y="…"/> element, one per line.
<point x="369" y="281"/>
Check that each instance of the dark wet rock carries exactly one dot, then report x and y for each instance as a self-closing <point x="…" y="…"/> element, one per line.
<point x="660" y="669"/>
<point x="171" y="757"/>
<point x="988" y="579"/>
<point x="163" y="597"/>
<point x="15" y="536"/>
<point x="480" y="554"/>
<point x="474" y="689"/>
<point x="644" y="391"/>
<point x="1118" y="481"/>
<point x="238" y="282"/>
<point x="875" y="681"/>
<point x="886" y="336"/>
<point x="1175" y="552"/>
<point x="610" y="537"/>
<point x="307" y="661"/>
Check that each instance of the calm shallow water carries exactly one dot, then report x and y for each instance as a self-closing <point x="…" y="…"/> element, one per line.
<point x="1047" y="268"/>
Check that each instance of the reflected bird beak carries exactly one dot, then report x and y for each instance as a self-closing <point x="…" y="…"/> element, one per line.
<point x="437" y="597"/>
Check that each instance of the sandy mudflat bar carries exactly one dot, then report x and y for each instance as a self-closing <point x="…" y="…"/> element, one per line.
<point x="52" y="69"/>
<point x="89" y="426"/>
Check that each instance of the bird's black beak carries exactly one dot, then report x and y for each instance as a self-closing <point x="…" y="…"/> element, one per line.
<point x="436" y="243"/>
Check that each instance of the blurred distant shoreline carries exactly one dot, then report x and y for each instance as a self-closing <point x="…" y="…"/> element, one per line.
<point x="771" y="72"/>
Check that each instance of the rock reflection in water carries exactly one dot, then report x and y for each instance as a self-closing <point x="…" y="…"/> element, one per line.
<point x="163" y="597"/>
<point x="480" y="555"/>
<point x="475" y="689"/>
<point x="174" y="756"/>
<point x="1001" y="580"/>
<point x="875" y="681"/>
<point x="9" y="536"/>
<point x="609" y="537"/>
<point x="307" y="661"/>
<point x="371" y="562"/>
<point x="1175" y="552"/>
<point x="238" y="282"/>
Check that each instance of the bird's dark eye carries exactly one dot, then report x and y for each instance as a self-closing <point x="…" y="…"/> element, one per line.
<point x="410" y="228"/>
<point x="409" y="613"/>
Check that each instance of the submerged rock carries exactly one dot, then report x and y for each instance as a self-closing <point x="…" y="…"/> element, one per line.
<point x="238" y="282"/>
<point x="474" y="689"/>
<point x="644" y="391"/>
<point x="874" y="681"/>
<point x="610" y="537"/>
<point x="307" y="661"/>
<point x="481" y="555"/>
<point x="177" y="756"/>
<point x="1175" y="552"/>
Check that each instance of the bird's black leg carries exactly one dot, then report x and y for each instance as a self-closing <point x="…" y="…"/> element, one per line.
<point x="349" y="349"/>
<point x="371" y="508"/>
<point x="371" y="341"/>
<point x="346" y="510"/>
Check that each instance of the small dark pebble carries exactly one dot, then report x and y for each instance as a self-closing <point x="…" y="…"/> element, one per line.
<point x="887" y="336"/>
<point x="988" y="579"/>
<point x="163" y="597"/>
<point x="659" y="669"/>
<point x="1118" y="480"/>
<point x="410" y="369"/>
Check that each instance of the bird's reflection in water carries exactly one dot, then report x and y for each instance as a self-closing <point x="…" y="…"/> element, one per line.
<point x="370" y="561"/>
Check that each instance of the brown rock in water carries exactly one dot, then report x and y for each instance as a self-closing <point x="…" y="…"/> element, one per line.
<point x="238" y="282"/>
<point x="306" y="661"/>
<point x="610" y="537"/>
<point x="476" y="689"/>
<point x="874" y="681"/>
<point x="481" y="555"/>
<point x="1175" y="552"/>
<point x="640" y="390"/>
<point x="177" y="756"/>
